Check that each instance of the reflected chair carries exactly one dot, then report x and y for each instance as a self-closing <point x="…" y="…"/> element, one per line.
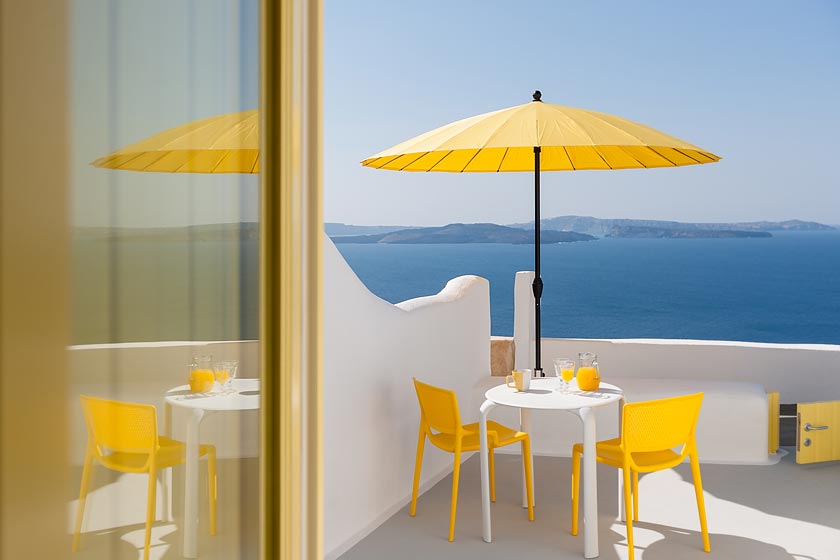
<point x="650" y="431"/>
<point x="124" y="437"/>
<point x="440" y="421"/>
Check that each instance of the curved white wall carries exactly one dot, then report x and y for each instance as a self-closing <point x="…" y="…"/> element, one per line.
<point x="372" y="349"/>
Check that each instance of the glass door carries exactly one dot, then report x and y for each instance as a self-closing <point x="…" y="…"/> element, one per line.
<point x="164" y="364"/>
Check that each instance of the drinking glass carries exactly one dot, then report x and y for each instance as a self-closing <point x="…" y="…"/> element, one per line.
<point x="226" y="373"/>
<point x="564" y="369"/>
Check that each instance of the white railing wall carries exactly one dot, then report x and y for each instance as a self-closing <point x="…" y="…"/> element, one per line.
<point x="800" y="372"/>
<point x="372" y="349"/>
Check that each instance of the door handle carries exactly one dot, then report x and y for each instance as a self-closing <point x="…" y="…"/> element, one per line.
<point x="810" y="428"/>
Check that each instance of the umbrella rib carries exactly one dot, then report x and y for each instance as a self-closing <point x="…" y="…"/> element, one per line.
<point x="623" y="131"/>
<point x="412" y="161"/>
<point x="220" y="160"/>
<point x="162" y="155"/>
<point x="687" y="155"/>
<point x="256" y="163"/>
<point x="438" y="161"/>
<point x="502" y="161"/>
<point x="600" y="155"/>
<point x="169" y="145"/>
<point x="570" y="158"/>
<point x="631" y="156"/>
<point x="137" y="155"/>
<point x="389" y="161"/>
<point x="663" y="156"/>
<point x="470" y="161"/>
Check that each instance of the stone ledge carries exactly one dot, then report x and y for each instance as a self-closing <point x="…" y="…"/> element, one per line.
<point x="502" y="352"/>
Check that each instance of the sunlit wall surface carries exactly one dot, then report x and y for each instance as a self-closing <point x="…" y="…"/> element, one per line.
<point x="164" y="276"/>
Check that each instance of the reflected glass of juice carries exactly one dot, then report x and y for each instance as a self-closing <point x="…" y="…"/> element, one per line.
<point x="226" y="373"/>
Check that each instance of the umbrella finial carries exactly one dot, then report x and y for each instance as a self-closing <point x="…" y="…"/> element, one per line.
<point x="537" y="95"/>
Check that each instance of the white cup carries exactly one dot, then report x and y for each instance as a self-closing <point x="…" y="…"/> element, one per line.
<point x="519" y="380"/>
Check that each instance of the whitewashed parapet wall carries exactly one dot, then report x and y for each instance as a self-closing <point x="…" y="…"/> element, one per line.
<point x="734" y="420"/>
<point x="372" y="349"/>
<point x="800" y="372"/>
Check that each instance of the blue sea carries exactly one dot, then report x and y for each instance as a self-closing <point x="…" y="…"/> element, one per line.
<point x="781" y="289"/>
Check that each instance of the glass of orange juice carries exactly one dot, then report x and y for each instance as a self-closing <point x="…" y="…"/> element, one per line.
<point x="226" y="373"/>
<point x="564" y="368"/>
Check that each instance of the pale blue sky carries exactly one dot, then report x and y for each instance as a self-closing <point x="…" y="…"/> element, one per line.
<point x="755" y="82"/>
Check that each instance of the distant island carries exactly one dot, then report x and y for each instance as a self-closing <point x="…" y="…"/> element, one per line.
<point x="601" y="227"/>
<point x="204" y="232"/>
<point x="465" y="233"/>
<point x="588" y="225"/>
<point x="637" y="232"/>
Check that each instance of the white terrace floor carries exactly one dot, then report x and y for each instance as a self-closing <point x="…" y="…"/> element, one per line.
<point x="780" y="512"/>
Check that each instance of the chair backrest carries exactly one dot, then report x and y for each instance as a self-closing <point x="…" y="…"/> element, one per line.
<point x="120" y="426"/>
<point x="661" y="424"/>
<point x="438" y="408"/>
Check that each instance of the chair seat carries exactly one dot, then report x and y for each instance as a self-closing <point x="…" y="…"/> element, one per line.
<point x="171" y="453"/>
<point x="498" y="435"/>
<point x="609" y="452"/>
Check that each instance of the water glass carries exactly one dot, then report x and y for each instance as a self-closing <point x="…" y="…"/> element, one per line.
<point x="564" y="369"/>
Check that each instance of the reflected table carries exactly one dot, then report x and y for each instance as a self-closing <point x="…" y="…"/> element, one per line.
<point x="543" y="396"/>
<point x="245" y="395"/>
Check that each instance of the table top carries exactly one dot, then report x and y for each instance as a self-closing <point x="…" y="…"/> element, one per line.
<point x="543" y="395"/>
<point x="245" y="396"/>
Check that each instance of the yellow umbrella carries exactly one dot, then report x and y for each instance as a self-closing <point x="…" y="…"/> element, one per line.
<point x="539" y="136"/>
<point x="221" y="144"/>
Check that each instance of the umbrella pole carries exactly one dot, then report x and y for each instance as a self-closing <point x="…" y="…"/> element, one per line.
<point x="538" y="284"/>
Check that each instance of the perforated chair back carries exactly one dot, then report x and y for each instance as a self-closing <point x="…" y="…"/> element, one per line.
<point x="120" y="426"/>
<point x="660" y="424"/>
<point x="438" y="408"/>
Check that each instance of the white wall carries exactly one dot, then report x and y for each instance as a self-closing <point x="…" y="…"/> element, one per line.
<point x="800" y="372"/>
<point x="371" y="416"/>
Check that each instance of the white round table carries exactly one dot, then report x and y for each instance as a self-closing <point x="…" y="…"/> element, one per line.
<point x="542" y="395"/>
<point x="245" y="396"/>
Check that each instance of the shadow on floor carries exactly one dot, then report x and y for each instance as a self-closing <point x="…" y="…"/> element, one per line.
<point x="757" y="488"/>
<point x="744" y="535"/>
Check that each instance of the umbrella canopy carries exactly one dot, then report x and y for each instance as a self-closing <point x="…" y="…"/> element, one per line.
<point x="221" y="144"/>
<point x="570" y="139"/>
<point x="539" y="136"/>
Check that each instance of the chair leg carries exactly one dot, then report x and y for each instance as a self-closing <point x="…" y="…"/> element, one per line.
<point x="575" y="489"/>
<point x="701" y="504"/>
<point x="456" y="472"/>
<point x="83" y="491"/>
<point x="212" y="487"/>
<point x="627" y="500"/>
<point x="529" y="481"/>
<point x="635" y="496"/>
<point x="150" y="511"/>
<point x="492" y="456"/>
<point x="421" y="443"/>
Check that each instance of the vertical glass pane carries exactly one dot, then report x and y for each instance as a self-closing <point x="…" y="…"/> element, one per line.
<point x="165" y="278"/>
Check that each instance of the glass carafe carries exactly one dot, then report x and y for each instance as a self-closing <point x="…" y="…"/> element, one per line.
<point x="202" y="377"/>
<point x="588" y="373"/>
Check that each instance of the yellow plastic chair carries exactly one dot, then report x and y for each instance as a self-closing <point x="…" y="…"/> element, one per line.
<point x="650" y="431"/>
<point x="124" y="437"/>
<point x="440" y="421"/>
